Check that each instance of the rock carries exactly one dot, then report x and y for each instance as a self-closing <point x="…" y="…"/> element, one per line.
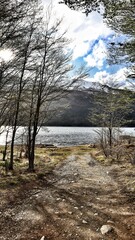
<point x="70" y="213"/>
<point x="57" y="213"/>
<point x="109" y="221"/>
<point x="106" y="229"/>
<point x="9" y="174"/>
<point x="76" y="208"/>
<point x="42" y="238"/>
<point x="83" y="221"/>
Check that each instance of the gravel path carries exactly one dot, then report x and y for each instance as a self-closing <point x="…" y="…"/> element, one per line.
<point x="72" y="203"/>
<point x="84" y="168"/>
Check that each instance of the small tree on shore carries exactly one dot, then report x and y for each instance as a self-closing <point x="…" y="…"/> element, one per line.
<point x="111" y="108"/>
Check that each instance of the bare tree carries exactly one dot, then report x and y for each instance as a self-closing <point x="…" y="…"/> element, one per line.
<point x="111" y="108"/>
<point x="38" y="74"/>
<point x="51" y="78"/>
<point x="24" y="49"/>
<point x="16" y="18"/>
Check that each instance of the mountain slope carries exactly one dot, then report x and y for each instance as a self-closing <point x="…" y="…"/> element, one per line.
<point x="74" y="108"/>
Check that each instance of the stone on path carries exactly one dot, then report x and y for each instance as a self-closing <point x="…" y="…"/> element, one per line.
<point x="83" y="221"/>
<point x="42" y="238"/>
<point x="106" y="229"/>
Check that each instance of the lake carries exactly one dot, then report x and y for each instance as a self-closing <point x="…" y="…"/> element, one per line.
<point x="63" y="136"/>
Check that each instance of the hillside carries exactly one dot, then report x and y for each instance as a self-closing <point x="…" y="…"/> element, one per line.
<point x="75" y="108"/>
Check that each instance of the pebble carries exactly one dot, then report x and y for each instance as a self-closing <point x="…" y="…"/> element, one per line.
<point x="70" y="213"/>
<point x="109" y="221"/>
<point x="106" y="229"/>
<point x="83" y="221"/>
<point x="42" y="238"/>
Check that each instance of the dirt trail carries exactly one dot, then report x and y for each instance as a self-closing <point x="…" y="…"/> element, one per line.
<point x="72" y="203"/>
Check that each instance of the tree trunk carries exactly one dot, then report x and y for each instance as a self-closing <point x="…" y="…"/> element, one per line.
<point x="21" y="85"/>
<point x="110" y="137"/>
<point x="31" y="164"/>
<point x="32" y="153"/>
<point x="5" y="149"/>
<point x="110" y="140"/>
<point x="12" y="149"/>
<point x="31" y="159"/>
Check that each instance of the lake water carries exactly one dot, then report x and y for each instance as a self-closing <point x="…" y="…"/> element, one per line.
<point x="64" y="136"/>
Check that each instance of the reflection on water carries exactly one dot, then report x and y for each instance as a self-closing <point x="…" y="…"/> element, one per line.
<point x="62" y="136"/>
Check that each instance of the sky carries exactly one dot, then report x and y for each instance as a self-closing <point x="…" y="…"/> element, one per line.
<point x="89" y="38"/>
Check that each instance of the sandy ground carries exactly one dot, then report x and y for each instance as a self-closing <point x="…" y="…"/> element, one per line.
<point x="72" y="202"/>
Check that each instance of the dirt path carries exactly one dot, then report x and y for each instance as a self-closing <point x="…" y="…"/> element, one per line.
<point x="73" y="202"/>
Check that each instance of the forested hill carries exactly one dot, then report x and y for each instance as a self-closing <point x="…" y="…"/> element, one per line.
<point x="74" y="109"/>
<point x="76" y="106"/>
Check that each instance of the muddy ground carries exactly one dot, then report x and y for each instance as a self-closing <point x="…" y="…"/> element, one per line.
<point x="72" y="202"/>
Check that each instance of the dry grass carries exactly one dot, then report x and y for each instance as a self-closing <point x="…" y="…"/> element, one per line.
<point x="46" y="158"/>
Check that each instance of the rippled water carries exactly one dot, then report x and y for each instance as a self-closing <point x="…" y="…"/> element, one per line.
<point x="63" y="136"/>
<point x="68" y="135"/>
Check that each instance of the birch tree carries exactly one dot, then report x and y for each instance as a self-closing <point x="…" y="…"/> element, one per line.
<point x="51" y="78"/>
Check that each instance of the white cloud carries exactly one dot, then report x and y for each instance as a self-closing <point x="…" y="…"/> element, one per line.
<point x="82" y="30"/>
<point x="118" y="78"/>
<point x="98" y="55"/>
<point x="101" y="77"/>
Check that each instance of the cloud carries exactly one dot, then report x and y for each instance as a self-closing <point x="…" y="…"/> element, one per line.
<point x="98" y="55"/>
<point x="82" y="30"/>
<point x="90" y="29"/>
<point x="89" y="37"/>
<point x="118" y="78"/>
